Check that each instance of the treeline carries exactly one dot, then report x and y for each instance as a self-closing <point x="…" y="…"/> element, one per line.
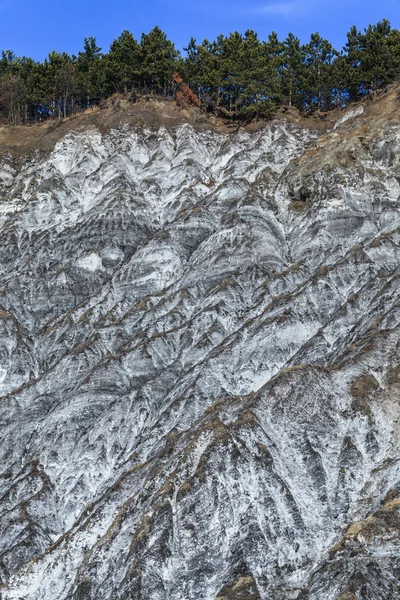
<point x="240" y="76"/>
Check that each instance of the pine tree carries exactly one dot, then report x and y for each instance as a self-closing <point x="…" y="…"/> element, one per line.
<point x="377" y="59"/>
<point x="351" y="65"/>
<point x="14" y="96"/>
<point x="205" y="72"/>
<point x="214" y="71"/>
<point x="123" y="64"/>
<point x="293" y="71"/>
<point x="275" y="62"/>
<point x="189" y="66"/>
<point x="393" y="44"/>
<point x="257" y="75"/>
<point x="90" y="73"/>
<point x="13" y="89"/>
<point x="157" y="62"/>
<point x="238" y="75"/>
<point x="58" y="75"/>
<point x="319" y="77"/>
<point x="230" y="67"/>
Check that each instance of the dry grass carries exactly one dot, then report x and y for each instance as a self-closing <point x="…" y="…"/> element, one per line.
<point x="244" y="588"/>
<point x="361" y="389"/>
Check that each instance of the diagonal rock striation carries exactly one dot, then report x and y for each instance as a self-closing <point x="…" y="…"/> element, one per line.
<point x="200" y="362"/>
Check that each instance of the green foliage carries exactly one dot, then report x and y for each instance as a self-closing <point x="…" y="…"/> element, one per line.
<point x="293" y="71"/>
<point x="157" y="56"/>
<point x="122" y="64"/>
<point x="90" y="73"/>
<point x="370" y="60"/>
<point x="239" y="75"/>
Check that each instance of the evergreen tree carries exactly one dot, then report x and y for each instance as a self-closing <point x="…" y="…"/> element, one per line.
<point x="393" y="45"/>
<point x="293" y="71"/>
<point x="204" y="72"/>
<point x="238" y="75"/>
<point x="123" y="64"/>
<point x="157" y="62"/>
<point x="377" y="59"/>
<point x="190" y="67"/>
<point x="258" y="77"/>
<point x="319" y="76"/>
<point x="351" y="65"/>
<point x="14" y="95"/>
<point x="274" y="68"/>
<point x="58" y="77"/>
<point x="230" y="69"/>
<point x="8" y="62"/>
<point x="90" y="75"/>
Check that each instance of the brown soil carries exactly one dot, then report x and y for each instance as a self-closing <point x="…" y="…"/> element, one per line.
<point x="347" y="595"/>
<point x="117" y="111"/>
<point x="148" y="111"/>
<point x="244" y="588"/>
<point x="154" y="112"/>
<point x="363" y="386"/>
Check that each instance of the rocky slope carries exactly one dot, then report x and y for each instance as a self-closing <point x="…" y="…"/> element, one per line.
<point x="200" y="362"/>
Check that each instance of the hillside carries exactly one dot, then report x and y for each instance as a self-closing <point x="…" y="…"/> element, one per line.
<point x="199" y="357"/>
<point x="147" y="111"/>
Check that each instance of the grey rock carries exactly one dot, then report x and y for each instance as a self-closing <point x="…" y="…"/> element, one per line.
<point x="199" y="366"/>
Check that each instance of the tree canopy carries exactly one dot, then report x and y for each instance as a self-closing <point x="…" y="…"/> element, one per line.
<point x="240" y="75"/>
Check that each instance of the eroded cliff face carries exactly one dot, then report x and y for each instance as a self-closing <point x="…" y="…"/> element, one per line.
<point x="200" y="363"/>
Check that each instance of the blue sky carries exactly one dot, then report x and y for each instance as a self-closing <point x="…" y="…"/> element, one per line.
<point x="34" y="29"/>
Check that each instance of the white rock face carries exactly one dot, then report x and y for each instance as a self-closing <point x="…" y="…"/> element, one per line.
<point x="199" y="366"/>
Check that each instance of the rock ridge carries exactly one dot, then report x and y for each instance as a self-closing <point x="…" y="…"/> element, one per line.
<point x="200" y="361"/>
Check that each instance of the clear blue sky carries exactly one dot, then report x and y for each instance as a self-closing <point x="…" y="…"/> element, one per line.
<point x="34" y="29"/>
